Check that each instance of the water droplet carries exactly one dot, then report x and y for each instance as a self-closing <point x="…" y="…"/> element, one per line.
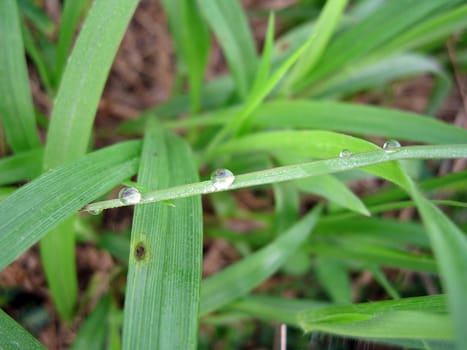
<point x="345" y="153"/>
<point x="129" y="195"/>
<point x="391" y="146"/>
<point x="95" y="211"/>
<point x="222" y="179"/>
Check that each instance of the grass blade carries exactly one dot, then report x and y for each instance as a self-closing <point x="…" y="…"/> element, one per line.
<point x="21" y="166"/>
<point x="322" y="31"/>
<point x="83" y="80"/>
<point x="422" y="318"/>
<point x="162" y="297"/>
<point x="191" y="41"/>
<point x="230" y="25"/>
<point x="237" y="280"/>
<point x="450" y="246"/>
<point x="335" y="279"/>
<point x="36" y="208"/>
<point x="13" y="336"/>
<point x="365" y="120"/>
<point x="72" y="10"/>
<point x="92" y="334"/>
<point x="73" y="114"/>
<point x="298" y="171"/>
<point x="16" y="109"/>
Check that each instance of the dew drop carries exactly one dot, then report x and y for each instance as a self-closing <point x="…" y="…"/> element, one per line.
<point x="95" y="211"/>
<point x="129" y="195"/>
<point x="222" y="179"/>
<point x="391" y="146"/>
<point x="345" y="153"/>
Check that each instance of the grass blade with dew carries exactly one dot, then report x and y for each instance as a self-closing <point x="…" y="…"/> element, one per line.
<point x="230" y="25"/>
<point x="13" y="336"/>
<point x="240" y="278"/>
<point x="71" y="122"/>
<point x="162" y="296"/>
<point x="16" y="108"/>
<point x="449" y="244"/>
<point x="192" y="43"/>
<point x="34" y="209"/>
<point x="298" y="171"/>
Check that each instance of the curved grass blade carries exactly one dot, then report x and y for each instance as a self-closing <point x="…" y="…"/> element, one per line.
<point x="13" y="336"/>
<point x="192" y="42"/>
<point x="322" y="31"/>
<point x="36" y="208"/>
<point x="449" y="244"/>
<point x="83" y="80"/>
<point x="237" y="280"/>
<point x="73" y="114"/>
<point x="21" y="166"/>
<point x="422" y="318"/>
<point x="359" y="119"/>
<point x="162" y="297"/>
<point x="16" y="108"/>
<point x="230" y="25"/>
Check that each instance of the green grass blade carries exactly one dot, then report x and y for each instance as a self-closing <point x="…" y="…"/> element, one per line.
<point x="334" y="278"/>
<point x="83" y="80"/>
<point x="230" y="25"/>
<point x="192" y="42"/>
<point x="162" y="297"/>
<point x="275" y="308"/>
<point x="359" y="119"/>
<point x="450" y="246"/>
<point x="72" y="10"/>
<point x="16" y="108"/>
<point x="237" y="280"/>
<point x="21" y="166"/>
<point x="322" y="31"/>
<point x="92" y="334"/>
<point x="57" y="250"/>
<point x="36" y="208"/>
<point x="422" y="318"/>
<point x="297" y="171"/>
<point x="73" y="114"/>
<point x="286" y="206"/>
<point x="334" y="190"/>
<point x="13" y="336"/>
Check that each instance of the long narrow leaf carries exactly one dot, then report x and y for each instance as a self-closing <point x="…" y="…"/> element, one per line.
<point x="162" y="297"/>
<point x="21" y="166"/>
<point x="450" y="246"/>
<point x="16" y="109"/>
<point x="36" y="208"/>
<point x="229" y="23"/>
<point x="192" y="42"/>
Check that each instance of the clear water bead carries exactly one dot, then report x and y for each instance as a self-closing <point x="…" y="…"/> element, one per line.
<point x="391" y="146"/>
<point x="222" y="179"/>
<point x="345" y="153"/>
<point x="129" y="195"/>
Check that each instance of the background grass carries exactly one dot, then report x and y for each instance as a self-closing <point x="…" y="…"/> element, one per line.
<point x="303" y="236"/>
